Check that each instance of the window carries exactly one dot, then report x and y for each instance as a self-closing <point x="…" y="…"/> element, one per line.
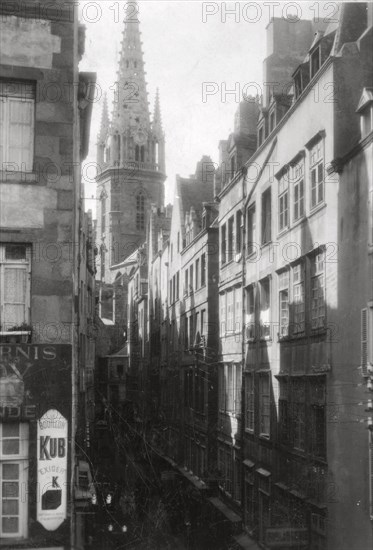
<point x="317" y="292"/>
<point x="203" y="321"/>
<point x="284" y="418"/>
<point x="265" y="305"/>
<point x="15" y="266"/>
<point x="250" y="313"/>
<point x="317" y="174"/>
<point x="266" y="216"/>
<point x="177" y="284"/>
<point x="250" y="229"/>
<point x="186" y="281"/>
<point x="237" y="309"/>
<point x="17" y="120"/>
<point x="222" y="300"/>
<point x="191" y="276"/>
<point x="196" y="327"/>
<point x="264" y="405"/>
<point x="298" y="190"/>
<point x="203" y="269"/>
<point x="283" y="283"/>
<point x="317" y="417"/>
<point x="186" y="336"/>
<point x="230" y="311"/>
<point x="249" y="402"/>
<point x="230" y="386"/>
<point x="140" y="212"/>
<point x="298" y="299"/>
<point x="224" y="244"/>
<point x="225" y="467"/>
<point x="14" y="445"/>
<point x="191" y="330"/>
<point x="197" y="273"/>
<point x="238" y="232"/>
<point x="283" y="202"/>
<point x="178" y="241"/>
<point x="230" y="238"/>
<point x="299" y="414"/>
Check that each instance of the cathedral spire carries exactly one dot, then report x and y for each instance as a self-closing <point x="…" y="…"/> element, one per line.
<point x="131" y="109"/>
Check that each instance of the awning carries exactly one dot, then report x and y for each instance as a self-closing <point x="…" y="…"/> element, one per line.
<point x="248" y="463"/>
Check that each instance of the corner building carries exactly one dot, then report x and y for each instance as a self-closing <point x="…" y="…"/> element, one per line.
<point x="45" y="118"/>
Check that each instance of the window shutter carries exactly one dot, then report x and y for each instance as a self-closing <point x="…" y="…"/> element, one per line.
<point x="15" y="280"/>
<point x="364" y="341"/>
<point x="21" y="145"/>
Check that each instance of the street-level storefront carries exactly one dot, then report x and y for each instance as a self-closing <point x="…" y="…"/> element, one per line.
<point x="35" y="450"/>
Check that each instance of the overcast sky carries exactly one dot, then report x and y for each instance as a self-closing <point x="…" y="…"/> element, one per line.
<point x="186" y="44"/>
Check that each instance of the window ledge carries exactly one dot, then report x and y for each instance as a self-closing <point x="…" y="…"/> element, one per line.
<point x="18" y="177"/>
<point x="317" y="208"/>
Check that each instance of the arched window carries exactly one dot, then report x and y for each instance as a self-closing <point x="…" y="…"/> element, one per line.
<point x="140" y="212"/>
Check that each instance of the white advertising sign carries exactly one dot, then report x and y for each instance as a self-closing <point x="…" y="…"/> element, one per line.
<point x="52" y="469"/>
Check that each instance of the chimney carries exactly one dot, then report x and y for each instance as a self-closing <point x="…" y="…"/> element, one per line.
<point x="288" y="43"/>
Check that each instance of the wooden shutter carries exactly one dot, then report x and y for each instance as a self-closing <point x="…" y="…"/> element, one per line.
<point x="20" y="141"/>
<point x="15" y="296"/>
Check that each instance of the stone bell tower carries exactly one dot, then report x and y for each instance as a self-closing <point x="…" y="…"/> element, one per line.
<point x="130" y="155"/>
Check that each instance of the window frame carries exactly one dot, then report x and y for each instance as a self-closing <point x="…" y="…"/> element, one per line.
<point x="264" y="405"/>
<point x="21" y="458"/>
<point x="266" y="216"/>
<point x="22" y="264"/>
<point x="12" y="92"/>
<point x="316" y="167"/>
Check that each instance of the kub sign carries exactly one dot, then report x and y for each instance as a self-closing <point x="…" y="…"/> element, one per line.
<point x="52" y="469"/>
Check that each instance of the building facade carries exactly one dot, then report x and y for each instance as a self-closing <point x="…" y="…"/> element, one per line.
<point x="45" y="116"/>
<point x="291" y="353"/>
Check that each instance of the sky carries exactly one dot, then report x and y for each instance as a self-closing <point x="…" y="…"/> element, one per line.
<point x="195" y="53"/>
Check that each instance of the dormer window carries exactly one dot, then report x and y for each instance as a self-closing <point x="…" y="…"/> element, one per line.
<point x="365" y="109"/>
<point x="315" y="62"/>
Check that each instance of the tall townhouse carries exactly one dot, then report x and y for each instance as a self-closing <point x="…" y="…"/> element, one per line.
<point x="45" y="118"/>
<point x="306" y="289"/>
<point x="230" y="191"/>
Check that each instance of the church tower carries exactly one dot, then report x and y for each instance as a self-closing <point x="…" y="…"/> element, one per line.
<point x="130" y="157"/>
